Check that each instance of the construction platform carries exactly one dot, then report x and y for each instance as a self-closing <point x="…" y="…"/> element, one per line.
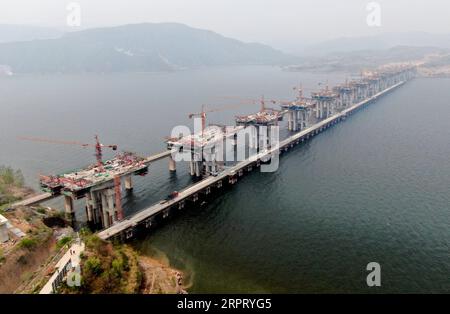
<point x="263" y="117"/>
<point x="210" y="136"/>
<point x="77" y="183"/>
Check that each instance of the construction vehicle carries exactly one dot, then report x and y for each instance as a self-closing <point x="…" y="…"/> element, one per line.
<point x="172" y="195"/>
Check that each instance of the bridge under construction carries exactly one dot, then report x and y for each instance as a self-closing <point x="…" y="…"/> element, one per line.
<point x="101" y="184"/>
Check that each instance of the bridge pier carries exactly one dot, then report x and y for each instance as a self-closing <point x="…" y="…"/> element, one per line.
<point x="128" y="183"/>
<point x="172" y="164"/>
<point x="289" y="115"/>
<point x="198" y="168"/>
<point x="149" y="222"/>
<point x="103" y="205"/>
<point x="89" y="207"/>
<point x="98" y="208"/>
<point x="104" y="202"/>
<point x="129" y="233"/>
<point x="68" y="206"/>
<point x="232" y="179"/>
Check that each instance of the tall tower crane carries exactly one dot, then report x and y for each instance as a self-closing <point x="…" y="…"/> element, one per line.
<point x="97" y="145"/>
<point x="202" y="115"/>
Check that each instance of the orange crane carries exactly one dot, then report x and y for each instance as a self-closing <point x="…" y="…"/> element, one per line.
<point x="202" y="115"/>
<point x="99" y="156"/>
<point x="98" y="146"/>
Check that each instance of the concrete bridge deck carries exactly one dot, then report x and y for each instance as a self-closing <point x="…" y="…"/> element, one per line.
<point x="33" y="200"/>
<point x="139" y="217"/>
<point x="158" y="156"/>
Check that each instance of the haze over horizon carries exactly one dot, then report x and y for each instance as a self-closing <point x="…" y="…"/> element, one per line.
<point x="289" y="25"/>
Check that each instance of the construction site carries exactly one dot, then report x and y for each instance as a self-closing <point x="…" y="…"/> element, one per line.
<point x="101" y="184"/>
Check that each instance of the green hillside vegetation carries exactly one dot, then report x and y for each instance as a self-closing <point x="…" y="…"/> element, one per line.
<point x="107" y="268"/>
<point x="11" y="181"/>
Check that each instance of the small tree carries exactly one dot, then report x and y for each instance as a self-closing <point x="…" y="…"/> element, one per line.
<point x="28" y="243"/>
<point x="93" y="265"/>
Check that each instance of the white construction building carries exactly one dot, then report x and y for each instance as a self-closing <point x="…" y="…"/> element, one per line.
<point x="3" y="229"/>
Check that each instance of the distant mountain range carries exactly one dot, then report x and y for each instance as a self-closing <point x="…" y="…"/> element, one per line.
<point x="379" y="42"/>
<point x="170" y="46"/>
<point x="136" y="47"/>
<point x="355" y="61"/>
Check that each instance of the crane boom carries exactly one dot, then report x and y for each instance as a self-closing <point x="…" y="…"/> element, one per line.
<point x="37" y="139"/>
<point x="98" y="146"/>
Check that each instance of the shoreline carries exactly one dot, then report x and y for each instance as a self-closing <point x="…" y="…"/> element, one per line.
<point x="155" y="263"/>
<point x="160" y="278"/>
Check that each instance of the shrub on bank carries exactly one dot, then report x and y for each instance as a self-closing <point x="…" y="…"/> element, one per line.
<point x="63" y="241"/>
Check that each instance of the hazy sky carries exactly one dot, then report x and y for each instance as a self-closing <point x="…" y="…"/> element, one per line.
<point x="280" y="23"/>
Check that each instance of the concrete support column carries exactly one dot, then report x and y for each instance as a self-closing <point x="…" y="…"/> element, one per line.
<point x="68" y="204"/>
<point x="111" y="208"/>
<point x="89" y="213"/>
<point x="97" y="207"/>
<point x="198" y="168"/>
<point x="172" y="164"/>
<point x="294" y="120"/>
<point x="291" y="121"/>
<point x="255" y="137"/>
<point x="128" y="183"/>
<point x="192" y="167"/>
<point x="94" y="206"/>
<point x="105" y="213"/>
<point x="299" y="120"/>
<point x="224" y="152"/>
